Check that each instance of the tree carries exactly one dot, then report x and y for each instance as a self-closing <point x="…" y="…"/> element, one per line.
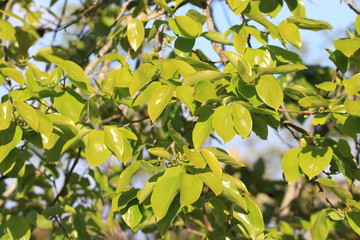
<point x="106" y="110"/>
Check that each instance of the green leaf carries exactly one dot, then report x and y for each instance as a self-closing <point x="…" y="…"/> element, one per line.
<point x="142" y="75"/>
<point x="45" y="127"/>
<point x="135" y="33"/>
<point x="29" y="114"/>
<point x="160" y="152"/>
<point x="213" y="181"/>
<point x="232" y="194"/>
<point x="159" y="100"/>
<point x="290" y="33"/>
<point x="127" y="133"/>
<point x="208" y="75"/>
<point x="224" y="157"/>
<point x="259" y="36"/>
<point x="178" y="139"/>
<point x="183" y="46"/>
<point x="252" y="220"/>
<point x="313" y="101"/>
<point x="133" y="216"/>
<point x="347" y="46"/>
<point x="7" y="31"/>
<point x="352" y="86"/>
<point x="242" y="120"/>
<point x="185" y="26"/>
<point x="313" y="160"/>
<point x="163" y="4"/>
<point x="357" y="24"/>
<point x="296" y="7"/>
<point x="39" y="220"/>
<point x="341" y="193"/>
<point x="202" y="129"/>
<point x="288" y="68"/>
<point x="145" y="191"/>
<point x="13" y="74"/>
<point x="6" y="110"/>
<point x="352" y="107"/>
<point x="240" y="40"/>
<point x="327" y="86"/>
<point x="237" y="6"/>
<point x="96" y="151"/>
<point x="216" y="37"/>
<point x="284" y="55"/>
<point x="195" y="157"/>
<point x="270" y="91"/>
<point x="70" y="105"/>
<point x="223" y="123"/>
<point x="290" y="164"/>
<point x="190" y="189"/>
<point x="165" y="190"/>
<point x="353" y="218"/>
<point x="185" y="95"/>
<point x="271" y="7"/>
<point x="212" y="161"/>
<point x="309" y="24"/>
<point x="319" y="228"/>
<point x="18" y="228"/>
<point x="340" y="60"/>
<point x="204" y="90"/>
<point x="196" y="16"/>
<point x="114" y="141"/>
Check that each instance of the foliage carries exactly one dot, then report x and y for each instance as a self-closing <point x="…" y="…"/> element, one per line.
<point x="107" y="109"/>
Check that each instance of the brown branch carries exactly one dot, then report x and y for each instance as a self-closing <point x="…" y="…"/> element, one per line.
<point x="293" y="126"/>
<point x="211" y="27"/>
<point x="67" y="179"/>
<point x="292" y="193"/>
<point x="203" y="235"/>
<point x="323" y="193"/>
<point x="206" y="221"/>
<point x="352" y="7"/>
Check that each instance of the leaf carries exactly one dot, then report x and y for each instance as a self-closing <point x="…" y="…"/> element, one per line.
<point x="259" y="36"/>
<point x="252" y="221"/>
<point x="45" y="127"/>
<point x="271" y="7"/>
<point x="242" y="120"/>
<point x="290" y="33"/>
<point x="223" y="124"/>
<point x="285" y="55"/>
<point x="29" y="114"/>
<point x="145" y="191"/>
<point x="216" y="37"/>
<point x="185" y="95"/>
<point x="6" y="110"/>
<point x="18" y="228"/>
<point x="207" y="75"/>
<point x="185" y="26"/>
<point x="240" y="40"/>
<point x="357" y="24"/>
<point x="96" y="151"/>
<point x="341" y="193"/>
<point x="204" y="91"/>
<point x="133" y="216"/>
<point x="309" y="24"/>
<point x="347" y="46"/>
<point x="184" y="46"/>
<point x="237" y="6"/>
<point x="213" y="181"/>
<point x="14" y="74"/>
<point x="290" y="164"/>
<point x="352" y="107"/>
<point x="340" y="60"/>
<point x="7" y="31"/>
<point x="160" y="152"/>
<point x="114" y="141"/>
<point x="319" y="228"/>
<point x="195" y="158"/>
<point x="327" y="86"/>
<point x="353" y="218"/>
<point x="352" y="86"/>
<point x="224" y="157"/>
<point x="165" y="190"/>
<point x="212" y="161"/>
<point x="190" y="189"/>
<point x="202" y="129"/>
<point x="232" y="194"/>
<point x="270" y="91"/>
<point x="159" y="100"/>
<point x="313" y="160"/>
<point x="135" y="33"/>
<point x="196" y="16"/>
<point x="142" y="75"/>
<point x="39" y="220"/>
<point x="288" y="68"/>
<point x="296" y="7"/>
<point x="69" y="104"/>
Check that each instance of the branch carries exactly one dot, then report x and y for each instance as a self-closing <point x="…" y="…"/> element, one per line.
<point x="203" y="235"/>
<point x="211" y="27"/>
<point x="292" y="193"/>
<point x="297" y="128"/>
<point x="299" y="112"/>
<point x="353" y="7"/>
<point x="67" y="179"/>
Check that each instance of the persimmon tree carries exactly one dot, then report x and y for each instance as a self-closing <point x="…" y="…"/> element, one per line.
<point x="109" y="115"/>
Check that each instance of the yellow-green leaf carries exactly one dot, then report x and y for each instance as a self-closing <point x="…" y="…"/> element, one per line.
<point x="190" y="189"/>
<point x="202" y="130"/>
<point x="69" y="105"/>
<point x="223" y="124"/>
<point x="7" y="31"/>
<point x="352" y="107"/>
<point x="270" y="91"/>
<point x="6" y="110"/>
<point x="232" y="194"/>
<point x="347" y="46"/>
<point x="133" y="216"/>
<point x="313" y="160"/>
<point x="159" y="100"/>
<point x="204" y="90"/>
<point x="160" y="152"/>
<point x="29" y="114"/>
<point x="135" y="33"/>
<point x="212" y="161"/>
<point x="242" y="120"/>
<point x="352" y="86"/>
<point x="237" y="6"/>
<point x="96" y="151"/>
<point x="142" y="76"/>
<point x="185" y="26"/>
<point x="353" y="218"/>
<point x="18" y="228"/>
<point x="213" y="181"/>
<point x="290" y="33"/>
<point x="195" y="158"/>
<point x="114" y="141"/>
<point x="14" y="74"/>
<point x="9" y="138"/>
<point x="184" y="94"/>
<point x="290" y="165"/>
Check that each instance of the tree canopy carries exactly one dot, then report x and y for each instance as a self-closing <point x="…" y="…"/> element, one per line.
<point x="111" y="118"/>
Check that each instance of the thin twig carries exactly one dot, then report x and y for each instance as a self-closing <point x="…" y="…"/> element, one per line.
<point x="206" y="221"/>
<point x="203" y="235"/>
<point x="352" y="7"/>
<point x="299" y="112"/>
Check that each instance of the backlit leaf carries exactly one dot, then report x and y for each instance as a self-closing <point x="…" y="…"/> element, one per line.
<point x="159" y="100"/>
<point x="290" y="164"/>
<point x="290" y="33"/>
<point x="6" y="110"/>
<point x="212" y="161"/>
<point x="223" y="123"/>
<point x="242" y="120"/>
<point x="135" y="33"/>
<point x="190" y="189"/>
<point x="270" y="91"/>
<point x="114" y="141"/>
<point x="7" y="31"/>
<point x="9" y="138"/>
<point x="29" y="114"/>
<point x="313" y="160"/>
<point x="96" y="151"/>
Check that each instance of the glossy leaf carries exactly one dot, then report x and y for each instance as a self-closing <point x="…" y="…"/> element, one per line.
<point x="133" y="216"/>
<point x="223" y="123"/>
<point x="347" y="46"/>
<point x="290" y="33"/>
<point x="141" y="77"/>
<point x="352" y="107"/>
<point x="159" y="100"/>
<point x="96" y="151"/>
<point x="7" y="31"/>
<point x="213" y="181"/>
<point x="237" y="6"/>
<point x="269" y="91"/>
<point x="6" y="110"/>
<point x="114" y="141"/>
<point x="232" y="194"/>
<point x="135" y="33"/>
<point x="352" y="86"/>
<point x="242" y="120"/>
<point x="202" y="129"/>
<point x="212" y="161"/>
<point x="9" y="138"/>
<point x="160" y="152"/>
<point x="203" y="91"/>
<point x="185" y="26"/>
<point x="190" y="189"/>
<point x="353" y="218"/>
<point x="69" y="105"/>
<point x="313" y="160"/>
<point x="216" y="37"/>
<point x="195" y="158"/>
<point x="14" y="74"/>
<point x="29" y="114"/>
<point x="290" y="164"/>
<point x="185" y="95"/>
<point x="309" y="24"/>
